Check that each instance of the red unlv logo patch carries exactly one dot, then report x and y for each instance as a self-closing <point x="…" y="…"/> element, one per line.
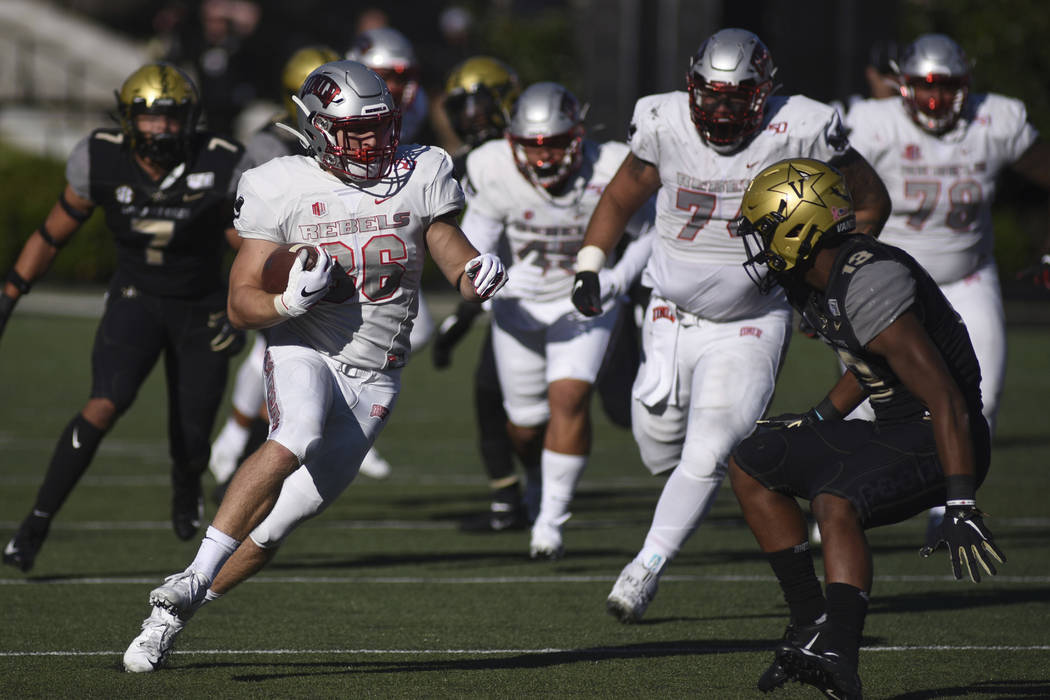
<point x="319" y="209"/>
<point x="379" y="411"/>
<point x="323" y="88"/>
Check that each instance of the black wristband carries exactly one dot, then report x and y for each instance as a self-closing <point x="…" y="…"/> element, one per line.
<point x="7" y="305"/>
<point x="21" y="283"/>
<point x="826" y="410"/>
<point x="75" y="214"/>
<point x="48" y="238"/>
<point x="961" y="488"/>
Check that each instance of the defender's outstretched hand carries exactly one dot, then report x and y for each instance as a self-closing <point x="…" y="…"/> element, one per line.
<point x="968" y="541"/>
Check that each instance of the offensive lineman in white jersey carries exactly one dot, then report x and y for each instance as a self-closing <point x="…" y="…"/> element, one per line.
<point x="336" y="345"/>
<point x="537" y="189"/>
<point x="940" y="151"/>
<point x="712" y="344"/>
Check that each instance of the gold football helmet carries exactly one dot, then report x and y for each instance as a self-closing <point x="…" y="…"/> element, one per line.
<point x="785" y="212"/>
<point x="301" y="64"/>
<point x="479" y="93"/>
<point x="159" y="88"/>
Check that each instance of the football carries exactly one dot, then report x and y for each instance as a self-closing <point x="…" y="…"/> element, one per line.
<point x="275" y="269"/>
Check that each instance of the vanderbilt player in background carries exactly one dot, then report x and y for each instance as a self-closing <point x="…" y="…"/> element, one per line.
<point x="479" y="94"/>
<point x="906" y="349"/>
<point x="712" y="345"/>
<point x="337" y="346"/>
<point x="166" y="190"/>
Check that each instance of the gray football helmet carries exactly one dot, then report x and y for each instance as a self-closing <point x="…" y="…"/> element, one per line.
<point x="730" y="78"/>
<point x="547" y="115"/>
<point x="390" y="54"/>
<point x="337" y="102"/>
<point x="934" y="61"/>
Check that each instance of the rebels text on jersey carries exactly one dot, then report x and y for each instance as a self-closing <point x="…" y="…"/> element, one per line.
<point x="702" y="191"/>
<point x="942" y="187"/>
<point x="871" y="285"/>
<point x="544" y="231"/>
<point x="170" y="235"/>
<point x="375" y="231"/>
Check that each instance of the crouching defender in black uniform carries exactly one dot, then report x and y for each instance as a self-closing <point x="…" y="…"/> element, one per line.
<point x="906" y="349"/>
<point x="167" y="192"/>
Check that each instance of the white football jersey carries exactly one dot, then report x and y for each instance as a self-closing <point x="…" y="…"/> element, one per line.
<point x="697" y="259"/>
<point x="544" y="232"/>
<point x="375" y="233"/>
<point x="942" y="187"/>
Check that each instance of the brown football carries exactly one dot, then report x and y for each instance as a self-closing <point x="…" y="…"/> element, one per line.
<point x="275" y="269"/>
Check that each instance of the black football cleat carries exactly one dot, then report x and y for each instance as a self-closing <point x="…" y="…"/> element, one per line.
<point x="825" y="670"/>
<point x="795" y="635"/>
<point x="21" y="551"/>
<point x="187" y="507"/>
<point x="500" y="516"/>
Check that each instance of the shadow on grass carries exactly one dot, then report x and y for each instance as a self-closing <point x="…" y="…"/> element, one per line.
<point x="963" y="600"/>
<point x="510" y="661"/>
<point x="998" y="689"/>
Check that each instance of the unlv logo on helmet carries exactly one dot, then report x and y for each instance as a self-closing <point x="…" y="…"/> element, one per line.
<point x="323" y="88"/>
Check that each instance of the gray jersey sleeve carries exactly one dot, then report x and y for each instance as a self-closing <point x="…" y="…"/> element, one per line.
<point x="877" y="295"/>
<point x="78" y="169"/>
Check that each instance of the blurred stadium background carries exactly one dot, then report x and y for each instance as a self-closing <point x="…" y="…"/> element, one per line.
<point x="60" y="61"/>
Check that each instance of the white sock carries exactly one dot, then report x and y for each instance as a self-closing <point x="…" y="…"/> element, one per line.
<point x="215" y="549"/>
<point x="652" y="557"/>
<point x="229" y="442"/>
<point x="561" y="473"/>
<point x="211" y="595"/>
<point x="684" y="503"/>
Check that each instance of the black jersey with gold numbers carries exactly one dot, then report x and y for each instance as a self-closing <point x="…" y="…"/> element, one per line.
<point x="871" y="284"/>
<point x="169" y="233"/>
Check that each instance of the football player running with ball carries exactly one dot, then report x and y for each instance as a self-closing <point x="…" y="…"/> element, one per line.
<point x="536" y="189"/>
<point x="906" y="349"/>
<point x="712" y="345"/>
<point x="166" y="190"/>
<point x="339" y="332"/>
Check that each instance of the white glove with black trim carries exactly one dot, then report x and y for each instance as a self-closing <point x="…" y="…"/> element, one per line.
<point x="305" y="287"/>
<point x="487" y="274"/>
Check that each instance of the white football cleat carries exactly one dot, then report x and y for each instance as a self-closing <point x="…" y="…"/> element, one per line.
<point x="373" y="465"/>
<point x="632" y="592"/>
<point x="545" y="542"/>
<point x="181" y="594"/>
<point x="150" y="649"/>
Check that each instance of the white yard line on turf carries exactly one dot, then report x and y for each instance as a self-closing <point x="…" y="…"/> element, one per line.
<point x="617" y="651"/>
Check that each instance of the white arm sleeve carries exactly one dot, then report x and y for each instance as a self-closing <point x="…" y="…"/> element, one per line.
<point x="633" y="260"/>
<point x="482" y="231"/>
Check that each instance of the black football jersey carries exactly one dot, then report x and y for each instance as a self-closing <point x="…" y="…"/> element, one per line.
<point x="847" y="326"/>
<point x="169" y="234"/>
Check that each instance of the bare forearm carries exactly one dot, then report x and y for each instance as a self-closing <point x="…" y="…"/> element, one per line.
<point x="871" y="200"/>
<point x="847" y="393"/>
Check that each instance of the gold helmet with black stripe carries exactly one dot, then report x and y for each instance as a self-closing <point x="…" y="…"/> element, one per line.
<point x="159" y="89"/>
<point x="479" y="94"/>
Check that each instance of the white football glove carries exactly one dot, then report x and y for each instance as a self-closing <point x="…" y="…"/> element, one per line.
<point x="487" y="274"/>
<point x="612" y="284"/>
<point x="305" y="287"/>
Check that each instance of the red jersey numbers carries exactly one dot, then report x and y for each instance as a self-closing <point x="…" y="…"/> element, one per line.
<point x="701" y="205"/>
<point x="379" y="278"/>
<point x="964" y="202"/>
